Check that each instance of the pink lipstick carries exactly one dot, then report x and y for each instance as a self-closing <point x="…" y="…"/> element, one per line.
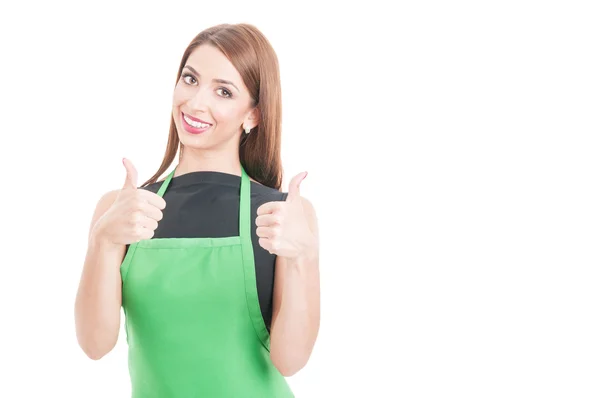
<point x="193" y="129"/>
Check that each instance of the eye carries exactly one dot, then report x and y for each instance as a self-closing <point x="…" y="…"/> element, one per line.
<point x="186" y="78"/>
<point x="226" y="93"/>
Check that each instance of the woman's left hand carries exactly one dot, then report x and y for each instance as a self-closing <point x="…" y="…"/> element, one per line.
<point x="283" y="228"/>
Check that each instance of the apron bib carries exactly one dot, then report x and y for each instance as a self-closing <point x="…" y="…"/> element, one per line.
<point x="192" y="317"/>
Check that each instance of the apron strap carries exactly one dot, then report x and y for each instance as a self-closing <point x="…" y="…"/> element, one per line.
<point x="249" y="266"/>
<point x="165" y="184"/>
<point x="245" y="209"/>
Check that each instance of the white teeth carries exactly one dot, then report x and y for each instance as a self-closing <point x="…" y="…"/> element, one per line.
<point x="195" y="124"/>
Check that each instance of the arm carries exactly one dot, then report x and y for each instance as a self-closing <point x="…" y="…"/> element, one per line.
<point x="98" y="301"/>
<point x="296" y="305"/>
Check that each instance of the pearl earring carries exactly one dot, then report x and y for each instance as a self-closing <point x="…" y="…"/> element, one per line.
<point x="248" y="130"/>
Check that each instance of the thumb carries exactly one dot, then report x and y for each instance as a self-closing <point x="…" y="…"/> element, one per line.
<point x="294" y="189"/>
<point x="131" y="177"/>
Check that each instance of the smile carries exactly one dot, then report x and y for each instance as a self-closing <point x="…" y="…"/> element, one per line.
<point x="194" y="126"/>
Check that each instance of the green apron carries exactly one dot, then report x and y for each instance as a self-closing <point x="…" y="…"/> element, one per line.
<point x="193" y="321"/>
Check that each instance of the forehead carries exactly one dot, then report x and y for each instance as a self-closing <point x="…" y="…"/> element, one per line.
<point x="211" y="63"/>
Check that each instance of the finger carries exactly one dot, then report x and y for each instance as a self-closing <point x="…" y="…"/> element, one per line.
<point x="266" y="244"/>
<point x="145" y="233"/>
<point x="147" y="222"/>
<point x="141" y="220"/>
<point x="151" y="211"/>
<point x="131" y="176"/>
<point x="267" y="232"/>
<point x="294" y="188"/>
<point x="152" y="198"/>
<point x="269" y="208"/>
<point x="266" y="220"/>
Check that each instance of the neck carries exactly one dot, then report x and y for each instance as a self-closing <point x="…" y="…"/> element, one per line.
<point x="221" y="160"/>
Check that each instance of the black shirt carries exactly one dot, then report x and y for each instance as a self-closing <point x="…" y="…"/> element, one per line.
<point x="205" y="204"/>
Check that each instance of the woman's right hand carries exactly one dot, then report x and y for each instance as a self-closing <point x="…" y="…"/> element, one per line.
<point x="133" y="216"/>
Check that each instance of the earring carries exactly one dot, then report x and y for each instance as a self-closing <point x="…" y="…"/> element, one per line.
<point x="248" y="130"/>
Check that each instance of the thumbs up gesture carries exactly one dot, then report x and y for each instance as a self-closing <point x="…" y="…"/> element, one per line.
<point x="131" y="176"/>
<point x="135" y="213"/>
<point x="282" y="227"/>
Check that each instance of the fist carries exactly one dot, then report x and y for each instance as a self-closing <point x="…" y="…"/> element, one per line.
<point x="282" y="227"/>
<point x="135" y="213"/>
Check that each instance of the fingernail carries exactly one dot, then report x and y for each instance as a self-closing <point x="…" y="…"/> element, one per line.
<point x="305" y="174"/>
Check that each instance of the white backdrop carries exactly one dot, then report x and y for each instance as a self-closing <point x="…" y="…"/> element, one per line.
<point x="452" y="151"/>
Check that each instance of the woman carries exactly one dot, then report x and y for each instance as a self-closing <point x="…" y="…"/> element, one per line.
<point x="216" y="269"/>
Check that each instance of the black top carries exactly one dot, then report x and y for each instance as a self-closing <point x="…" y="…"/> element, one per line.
<point x="205" y="204"/>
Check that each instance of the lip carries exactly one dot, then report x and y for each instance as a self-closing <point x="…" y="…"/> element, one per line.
<point x="192" y="129"/>
<point x="195" y="118"/>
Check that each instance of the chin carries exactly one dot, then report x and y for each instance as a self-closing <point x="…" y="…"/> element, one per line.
<point x="190" y="141"/>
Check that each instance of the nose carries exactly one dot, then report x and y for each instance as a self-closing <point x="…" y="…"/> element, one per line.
<point x="199" y="101"/>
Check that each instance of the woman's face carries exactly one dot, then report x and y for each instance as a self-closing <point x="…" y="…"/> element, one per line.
<point x="211" y="104"/>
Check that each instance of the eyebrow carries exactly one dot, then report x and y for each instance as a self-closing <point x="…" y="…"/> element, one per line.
<point x="214" y="80"/>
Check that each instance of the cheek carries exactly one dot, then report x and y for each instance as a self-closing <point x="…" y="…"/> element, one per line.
<point x="227" y="113"/>
<point x="179" y="96"/>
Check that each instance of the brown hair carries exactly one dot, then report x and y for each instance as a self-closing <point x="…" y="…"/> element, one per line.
<point x="252" y="55"/>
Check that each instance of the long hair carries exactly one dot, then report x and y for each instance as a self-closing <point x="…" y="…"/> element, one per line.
<point x="252" y="55"/>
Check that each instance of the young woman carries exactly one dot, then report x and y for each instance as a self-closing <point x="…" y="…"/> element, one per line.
<point x="216" y="269"/>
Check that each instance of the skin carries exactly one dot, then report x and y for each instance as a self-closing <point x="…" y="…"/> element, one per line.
<point x="287" y="229"/>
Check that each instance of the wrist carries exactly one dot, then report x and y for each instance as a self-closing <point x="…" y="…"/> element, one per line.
<point x="100" y="241"/>
<point x="309" y="255"/>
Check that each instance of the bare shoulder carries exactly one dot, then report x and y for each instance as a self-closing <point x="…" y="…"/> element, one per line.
<point x="307" y="205"/>
<point x="103" y="204"/>
<point x="107" y="200"/>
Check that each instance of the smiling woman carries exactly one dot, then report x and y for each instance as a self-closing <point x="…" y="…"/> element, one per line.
<point x="225" y="73"/>
<point x="198" y="92"/>
<point x="216" y="269"/>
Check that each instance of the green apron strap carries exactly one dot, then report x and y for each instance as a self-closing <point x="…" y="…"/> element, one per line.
<point x="248" y="260"/>
<point x="165" y="184"/>
<point x="244" y="227"/>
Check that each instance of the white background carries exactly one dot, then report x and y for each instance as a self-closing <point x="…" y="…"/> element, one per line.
<point x="453" y="159"/>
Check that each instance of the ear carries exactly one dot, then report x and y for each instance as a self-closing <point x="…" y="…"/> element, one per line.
<point x="252" y="118"/>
